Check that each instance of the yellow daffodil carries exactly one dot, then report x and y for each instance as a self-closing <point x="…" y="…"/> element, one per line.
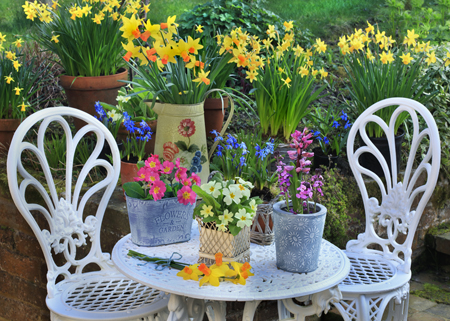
<point x="190" y="272"/>
<point x="379" y="36"/>
<point x="240" y="272"/>
<point x="23" y="106"/>
<point x="310" y="62"/>
<point x="287" y="81"/>
<point x="251" y="75"/>
<point x="219" y="264"/>
<point x="55" y="4"/>
<point x="406" y="59"/>
<point x="145" y="8"/>
<point x="410" y="38"/>
<point x="271" y="31"/>
<point x="320" y="46"/>
<point x="304" y="71"/>
<point x="289" y="37"/>
<point x="210" y="275"/>
<point x="431" y="58"/>
<point x="356" y="44"/>
<point x="202" y="76"/>
<point x="2" y="37"/>
<point x="386" y="57"/>
<point x="98" y="19"/>
<point x="16" y="65"/>
<point x="193" y="45"/>
<point x="288" y="25"/>
<point x="447" y="60"/>
<point x="55" y="38"/>
<point x="314" y="72"/>
<point x="132" y="51"/>
<point x="323" y="73"/>
<point x="9" y="79"/>
<point x="370" y="28"/>
<point x="342" y="42"/>
<point x="298" y="50"/>
<point x="153" y="31"/>
<point x="199" y="29"/>
<point x="18" y="90"/>
<point x="170" y="25"/>
<point x="207" y="211"/>
<point x="10" y="55"/>
<point x="130" y="25"/>
<point x="18" y="43"/>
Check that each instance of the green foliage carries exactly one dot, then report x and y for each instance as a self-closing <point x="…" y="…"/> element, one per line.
<point x="55" y="152"/>
<point x="433" y="292"/>
<point x="340" y="197"/>
<point x="223" y="15"/>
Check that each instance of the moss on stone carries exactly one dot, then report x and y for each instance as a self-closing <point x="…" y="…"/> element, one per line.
<point x="440" y="229"/>
<point x="434" y="293"/>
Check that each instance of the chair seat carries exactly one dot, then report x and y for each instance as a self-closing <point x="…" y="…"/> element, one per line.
<point x="371" y="274"/>
<point x="108" y="297"/>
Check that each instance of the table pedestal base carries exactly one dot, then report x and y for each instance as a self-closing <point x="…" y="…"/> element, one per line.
<point x="182" y="308"/>
<point x="320" y="302"/>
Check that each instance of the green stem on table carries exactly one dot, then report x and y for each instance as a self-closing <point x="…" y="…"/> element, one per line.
<point x="174" y="264"/>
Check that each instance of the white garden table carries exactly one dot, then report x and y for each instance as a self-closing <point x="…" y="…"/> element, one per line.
<point x="269" y="283"/>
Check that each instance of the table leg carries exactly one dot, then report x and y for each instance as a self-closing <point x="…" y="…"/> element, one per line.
<point x="249" y="310"/>
<point x="182" y="308"/>
<point x="320" y="302"/>
<point x="216" y="310"/>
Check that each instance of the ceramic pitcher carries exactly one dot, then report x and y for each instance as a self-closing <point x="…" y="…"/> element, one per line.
<point x="181" y="134"/>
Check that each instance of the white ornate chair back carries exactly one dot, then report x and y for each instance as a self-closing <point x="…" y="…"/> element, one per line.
<point x="67" y="229"/>
<point x="395" y="213"/>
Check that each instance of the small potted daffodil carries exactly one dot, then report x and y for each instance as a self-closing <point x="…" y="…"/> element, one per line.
<point x="225" y="216"/>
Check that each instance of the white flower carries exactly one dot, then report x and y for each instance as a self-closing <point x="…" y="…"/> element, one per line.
<point x="222" y="227"/>
<point x="232" y="194"/>
<point x="245" y="183"/>
<point x="122" y="99"/>
<point x="244" y="218"/>
<point x="115" y="116"/>
<point x="241" y="187"/>
<point x="253" y="205"/>
<point x="212" y="188"/>
<point x="227" y="217"/>
<point x="207" y="211"/>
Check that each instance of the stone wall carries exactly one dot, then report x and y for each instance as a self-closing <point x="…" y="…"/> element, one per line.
<point x="23" y="269"/>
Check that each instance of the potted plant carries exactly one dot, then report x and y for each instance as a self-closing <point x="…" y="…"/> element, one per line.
<point x="20" y="79"/>
<point x="225" y="216"/>
<point x="85" y="36"/>
<point x="330" y="128"/>
<point x="298" y="222"/>
<point x="173" y="69"/>
<point x="286" y="84"/>
<point x="249" y="157"/>
<point x="378" y="68"/>
<point x="160" y="202"/>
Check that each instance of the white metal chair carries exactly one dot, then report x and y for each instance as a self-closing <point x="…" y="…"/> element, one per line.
<point x="380" y="276"/>
<point x="61" y="228"/>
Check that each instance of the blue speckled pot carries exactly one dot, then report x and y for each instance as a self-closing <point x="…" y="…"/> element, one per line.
<point x="162" y="222"/>
<point x="298" y="238"/>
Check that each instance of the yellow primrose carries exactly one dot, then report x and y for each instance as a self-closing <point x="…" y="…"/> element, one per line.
<point x="18" y="90"/>
<point x="227" y="217"/>
<point x="190" y="272"/>
<point x="9" y="79"/>
<point x="130" y="27"/>
<point x="211" y="275"/>
<point x="386" y="57"/>
<point x="288" y="25"/>
<point x="406" y="58"/>
<point x="431" y="58"/>
<point x="202" y="77"/>
<point x="207" y="211"/>
<point x="410" y="38"/>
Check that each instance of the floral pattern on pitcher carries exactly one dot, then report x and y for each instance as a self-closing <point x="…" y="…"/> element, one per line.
<point x="191" y="156"/>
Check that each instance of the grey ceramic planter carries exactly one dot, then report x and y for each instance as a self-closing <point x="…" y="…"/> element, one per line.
<point x="162" y="222"/>
<point x="298" y="238"/>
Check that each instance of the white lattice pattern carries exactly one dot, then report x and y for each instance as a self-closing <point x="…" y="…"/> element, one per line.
<point x="100" y="295"/>
<point x="379" y="278"/>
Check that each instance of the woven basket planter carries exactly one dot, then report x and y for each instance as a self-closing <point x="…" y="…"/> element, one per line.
<point x="262" y="227"/>
<point x="234" y="248"/>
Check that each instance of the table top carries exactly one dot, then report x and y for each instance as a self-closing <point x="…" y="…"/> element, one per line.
<point x="268" y="283"/>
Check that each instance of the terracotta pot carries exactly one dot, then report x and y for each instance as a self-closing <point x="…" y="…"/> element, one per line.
<point x="150" y="146"/>
<point x="214" y="114"/>
<point x="7" y="129"/>
<point x="127" y="172"/>
<point x="83" y="92"/>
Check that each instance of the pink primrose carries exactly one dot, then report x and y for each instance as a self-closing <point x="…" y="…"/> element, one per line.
<point x="157" y="190"/>
<point x="196" y="179"/>
<point x="167" y="167"/>
<point x="186" y="195"/>
<point x="180" y="175"/>
<point x="153" y="162"/>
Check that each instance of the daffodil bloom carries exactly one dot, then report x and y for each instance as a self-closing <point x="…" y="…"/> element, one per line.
<point x="199" y="28"/>
<point x="431" y="58"/>
<point x="129" y="27"/>
<point x="379" y="35"/>
<point x="320" y="45"/>
<point x="406" y="59"/>
<point x="23" y="106"/>
<point x="370" y="28"/>
<point x="410" y="38"/>
<point x="240" y="272"/>
<point x="232" y="194"/>
<point x="271" y="31"/>
<point x="314" y="72"/>
<point x="386" y="57"/>
<point x="342" y="42"/>
<point x="323" y="73"/>
<point x="211" y="275"/>
<point x="219" y="264"/>
<point x="55" y="38"/>
<point x="207" y="211"/>
<point x="304" y="71"/>
<point x="447" y="61"/>
<point x="298" y="50"/>
<point x="193" y="45"/>
<point x="202" y="77"/>
<point x="244" y="218"/>
<point x="227" y="217"/>
<point x="146" y="8"/>
<point x="190" y="272"/>
<point x="18" y="90"/>
<point x="251" y="75"/>
<point x="18" y="43"/>
<point x="2" y="37"/>
<point x="288" y="25"/>
<point x="170" y="25"/>
<point x="369" y="55"/>
<point x="9" y="79"/>
<point x="212" y="188"/>
<point x="10" y="55"/>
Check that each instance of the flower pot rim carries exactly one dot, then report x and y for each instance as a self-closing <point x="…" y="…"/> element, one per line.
<point x="121" y="71"/>
<point x="169" y="104"/>
<point x="277" y="208"/>
<point x="162" y="199"/>
<point x="401" y="133"/>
